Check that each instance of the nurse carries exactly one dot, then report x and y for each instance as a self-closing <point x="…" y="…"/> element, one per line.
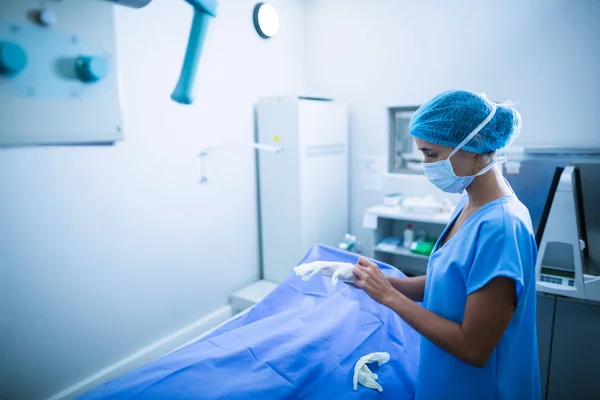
<point x="478" y="315"/>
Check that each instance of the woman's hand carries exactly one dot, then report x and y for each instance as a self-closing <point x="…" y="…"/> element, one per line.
<point x="370" y="279"/>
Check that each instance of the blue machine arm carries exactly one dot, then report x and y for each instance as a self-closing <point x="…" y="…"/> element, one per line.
<point x="131" y="3"/>
<point x="204" y="12"/>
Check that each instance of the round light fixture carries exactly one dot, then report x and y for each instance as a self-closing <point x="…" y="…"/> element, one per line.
<point x="266" y="20"/>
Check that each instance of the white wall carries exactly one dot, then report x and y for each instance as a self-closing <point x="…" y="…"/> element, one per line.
<point x="106" y="250"/>
<point x="545" y="54"/>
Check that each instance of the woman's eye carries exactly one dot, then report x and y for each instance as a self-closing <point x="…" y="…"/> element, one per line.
<point x="431" y="155"/>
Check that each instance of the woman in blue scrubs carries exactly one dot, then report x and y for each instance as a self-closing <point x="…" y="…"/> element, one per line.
<point x="478" y="316"/>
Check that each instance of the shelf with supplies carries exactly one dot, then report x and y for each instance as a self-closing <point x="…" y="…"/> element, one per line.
<point x="397" y="213"/>
<point x="388" y="224"/>
<point x="399" y="251"/>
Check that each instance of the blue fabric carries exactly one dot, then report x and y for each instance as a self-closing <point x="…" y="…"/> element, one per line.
<point x="497" y="240"/>
<point x="448" y="118"/>
<point x="301" y="342"/>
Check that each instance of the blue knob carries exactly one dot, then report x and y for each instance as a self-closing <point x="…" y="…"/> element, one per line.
<point x="13" y="59"/>
<point x="91" y="69"/>
<point x="46" y="18"/>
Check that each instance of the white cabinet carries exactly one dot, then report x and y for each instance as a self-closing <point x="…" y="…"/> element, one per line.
<point x="303" y="191"/>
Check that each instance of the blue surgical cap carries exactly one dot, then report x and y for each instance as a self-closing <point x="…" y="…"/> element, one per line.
<point x="448" y="118"/>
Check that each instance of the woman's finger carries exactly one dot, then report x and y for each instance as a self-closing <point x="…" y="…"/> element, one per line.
<point x="361" y="284"/>
<point x="363" y="261"/>
<point x="352" y="284"/>
<point x="358" y="272"/>
<point x="368" y="265"/>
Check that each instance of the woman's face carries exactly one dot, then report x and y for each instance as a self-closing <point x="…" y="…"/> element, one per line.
<point x="464" y="163"/>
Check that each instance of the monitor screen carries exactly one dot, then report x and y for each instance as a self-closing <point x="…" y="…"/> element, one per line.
<point x="534" y="185"/>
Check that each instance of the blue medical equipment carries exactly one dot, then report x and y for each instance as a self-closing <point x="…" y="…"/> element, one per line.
<point x="204" y="12"/>
<point x="131" y="3"/>
<point x="58" y="74"/>
<point x="59" y="60"/>
<point x="557" y="195"/>
<point x="91" y="69"/>
<point x="13" y="58"/>
<point x="349" y="243"/>
<point x="561" y="193"/>
<point x="301" y="341"/>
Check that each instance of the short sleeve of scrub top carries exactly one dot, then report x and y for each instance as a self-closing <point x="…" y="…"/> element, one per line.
<point x="496" y="241"/>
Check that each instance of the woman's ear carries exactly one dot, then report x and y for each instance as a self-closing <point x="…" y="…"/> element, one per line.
<point x="476" y="141"/>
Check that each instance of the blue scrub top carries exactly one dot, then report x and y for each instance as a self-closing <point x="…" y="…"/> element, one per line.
<point x="497" y="240"/>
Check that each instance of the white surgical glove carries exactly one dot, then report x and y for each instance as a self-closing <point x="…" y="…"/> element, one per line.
<point x="362" y="373"/>
<point x="336" y="270"/>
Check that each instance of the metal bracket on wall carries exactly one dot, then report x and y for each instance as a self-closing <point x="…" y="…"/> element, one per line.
<point x="204" y="152"/>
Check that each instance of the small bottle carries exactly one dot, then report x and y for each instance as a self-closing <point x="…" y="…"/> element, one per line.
<point x="409" y="236"/>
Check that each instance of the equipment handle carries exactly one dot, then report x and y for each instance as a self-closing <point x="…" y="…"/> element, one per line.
<point x="184" y="91"/>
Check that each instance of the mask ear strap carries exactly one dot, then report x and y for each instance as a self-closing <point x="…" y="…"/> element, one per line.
<point x="476" y="130"/>
<point x="498" y="160"/>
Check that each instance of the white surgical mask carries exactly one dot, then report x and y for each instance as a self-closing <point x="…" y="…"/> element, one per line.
<point x="442" y="175"/>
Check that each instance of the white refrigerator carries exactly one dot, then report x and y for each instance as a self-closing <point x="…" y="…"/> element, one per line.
<point x="303" y="191"/>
